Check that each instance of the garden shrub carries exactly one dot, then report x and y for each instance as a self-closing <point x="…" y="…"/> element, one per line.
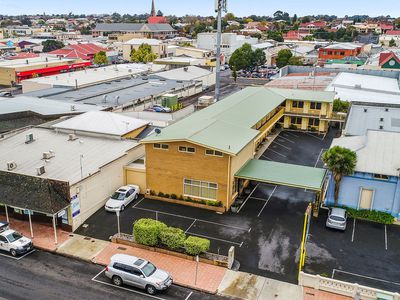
<point x="292" y="126"/>
<point x="174" y="196"/>
<point x="173" y="238"/>
<point x="195" y="245"/>
<point x="147" y="231"/>
<point x="371" y="215"/>
<point x="160" y="194"/>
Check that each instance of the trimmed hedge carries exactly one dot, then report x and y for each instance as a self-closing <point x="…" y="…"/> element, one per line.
<point x="173" y="238"/>
<point x="371" y="215"/>
<point x="195" y="245"/>
<point x="147" y="231"/>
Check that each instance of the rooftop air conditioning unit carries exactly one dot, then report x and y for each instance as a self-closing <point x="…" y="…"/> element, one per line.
<point x="357" y="86"/>
<point x="73" y="108"/>
<point x="40" y="170"/>
<point x="11" y="165"/>
<point x="72" y="137"/>
<point x="48" y="155"/>
<point x="29" y="138"/>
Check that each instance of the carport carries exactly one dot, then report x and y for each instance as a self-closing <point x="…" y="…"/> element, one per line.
<point x="308" y="178"/>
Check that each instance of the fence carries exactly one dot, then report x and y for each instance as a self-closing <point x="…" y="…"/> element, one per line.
<point x="354" y="290"/>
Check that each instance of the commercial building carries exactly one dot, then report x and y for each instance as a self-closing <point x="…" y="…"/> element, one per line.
<point x="88" y="77"/>
<point x="375" y="184"/>
<point x="52" y="174"/>
<point x="229" y="42"/>
<point x="14" y="71"/>
<point x="85" y="51"/>
<point x="199" y="156"/>
<point x="158" y="47"/>
<point x="191" y="73"/>
<point x="140" y="30"/>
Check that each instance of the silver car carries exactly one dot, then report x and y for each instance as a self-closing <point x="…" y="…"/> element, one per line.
<point x="337" y="219"/>
<point x="137" y="272"/>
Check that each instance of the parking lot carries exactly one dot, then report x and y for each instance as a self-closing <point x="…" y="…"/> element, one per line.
<point x="266" y="231"/>
<point x="366" y="253"/>
<point x="18" y="257"/>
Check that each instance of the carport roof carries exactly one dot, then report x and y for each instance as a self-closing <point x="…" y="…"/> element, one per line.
<point x="283" y="174"/>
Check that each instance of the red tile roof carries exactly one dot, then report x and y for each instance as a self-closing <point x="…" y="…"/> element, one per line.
<point x="393" y="32"/>
<point x="157" y="20"/>
<point x="385" y="57"/>
<point x="386" y="26"/>
<point x="83" y="51"/>
<point x="23" y="55"/>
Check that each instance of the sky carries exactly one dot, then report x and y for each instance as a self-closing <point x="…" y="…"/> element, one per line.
<point x="203" y="7"/>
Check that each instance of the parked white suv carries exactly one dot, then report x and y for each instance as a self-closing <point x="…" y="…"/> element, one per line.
<point x="12" y="241"/>
<point x="122" y="197"/>
<point x="137" y="272"/>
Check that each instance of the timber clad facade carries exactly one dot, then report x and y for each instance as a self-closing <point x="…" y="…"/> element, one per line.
<point x="198" y="157"/>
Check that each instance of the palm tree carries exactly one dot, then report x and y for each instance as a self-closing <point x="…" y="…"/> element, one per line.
<point x="341" y="162"/>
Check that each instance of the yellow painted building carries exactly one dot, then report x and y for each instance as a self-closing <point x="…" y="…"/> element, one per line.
<point x="199" y="156"/>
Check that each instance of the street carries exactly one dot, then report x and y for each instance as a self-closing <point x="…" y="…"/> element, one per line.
<point x="42" y="275"/>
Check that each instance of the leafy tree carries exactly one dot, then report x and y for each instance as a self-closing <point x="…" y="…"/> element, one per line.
<point x="275" y="35"/>
<point x="397" y="23"/>
<point x="341" y="162"/>
<point x="294" y="19"/>
<point x="259" y="58"/>
<point x="160" y="13"/>
<point x="283" y="58"/>
<point x="340" y="106"/>
<point x="100" y="58"/>
<point x="51" y="45"/>
<point x="234" y="73"/>
<point x="392" y="43"/>
<point x="295" y="61"/>
<point x="229" y="17"/>
<point x="143" y="54"/>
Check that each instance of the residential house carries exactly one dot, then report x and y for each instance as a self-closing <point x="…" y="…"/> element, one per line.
<point x="339" y="51"/>
<point x="157" y="46"/>
<point x="390" y="35"/>
<point x="142" y="30"/>
<point x="389" y="60"/>
<point x="84" y="51"/>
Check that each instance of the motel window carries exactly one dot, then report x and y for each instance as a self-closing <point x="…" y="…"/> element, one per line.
<point x="200" y="189"/>
<point x="298" y="104"/>
<point x="381" y="177"/>
<point x="187" y="149"/>
<point x="161" y="146"/>
<point x="315" y="105"/>
<point x="313" y="122"/>
<point x="342" y="53"/>
<point x="214" y="153"/>
<point x="330" y="52"/>
<point x="296" y="120"/>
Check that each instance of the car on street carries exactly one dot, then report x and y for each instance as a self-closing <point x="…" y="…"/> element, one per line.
<point x="137" y="272"/>
<point x="12" y="241"/>
<point x="337" y="219"/>
<point x="122" y="197"/>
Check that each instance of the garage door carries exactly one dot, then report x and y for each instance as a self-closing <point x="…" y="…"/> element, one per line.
<point x="366" y="198"/>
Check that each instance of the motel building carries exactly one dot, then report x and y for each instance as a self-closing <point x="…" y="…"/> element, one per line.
<point x="210" y="154"/>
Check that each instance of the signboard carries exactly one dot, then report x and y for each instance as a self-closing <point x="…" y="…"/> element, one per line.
<point x="75" y="206"/>
<point x="61" y="213"/>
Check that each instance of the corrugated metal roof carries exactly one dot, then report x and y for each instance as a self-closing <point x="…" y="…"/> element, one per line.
<point x="377" y="151"/>
<point x="65" y="165"/>
<point x="226" y="125"/>
<point x="283" y="174"/>
<point x="102" y="122"/>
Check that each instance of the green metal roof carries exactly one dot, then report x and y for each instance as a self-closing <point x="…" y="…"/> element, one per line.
<point x="226" y="125"/>
<point x="283" y="174"/>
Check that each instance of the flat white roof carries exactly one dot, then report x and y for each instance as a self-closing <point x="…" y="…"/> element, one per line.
<point x="365" y="88"/>
<point x="151" y="42"/>
<point x="16" y="63"/>
<point x="102" y="122"/>
<point x="95" y="75"/>
<point x="92" y="152"/>
<point x="186" y="73"/>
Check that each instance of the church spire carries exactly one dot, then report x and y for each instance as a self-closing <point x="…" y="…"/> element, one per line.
<point x="153" y="9"/>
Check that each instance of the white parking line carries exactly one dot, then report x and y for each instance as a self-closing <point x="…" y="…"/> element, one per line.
<point x="137" y="203"/>
<point x="318" y="138"/>
<point x="190" y="218"/>
<point x="292" y="134"/>
<point x="123" y="288"/>
<point x="266" y="157"/>
<point x="261" y="199"/>
<point x="277" y="152"/>
<point x="266" y="202"/>
<point x="248" y="198"/>
<point x="188" y="296"/>
<point x="216" y="239"/>
<point x="288" y="148"/>
<point x="319" y="155"/>
<point x="19" y="257"/>
<point x="386" y="238"/>
<point x="281" y="137"/>
<point x="368" y="277"/>
<point x="190" y="225"/>
<point x="354" y="227"/>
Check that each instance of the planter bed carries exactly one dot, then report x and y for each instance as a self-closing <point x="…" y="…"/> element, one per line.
<point x="187" y="203"/>
<point x="208" y="258"/>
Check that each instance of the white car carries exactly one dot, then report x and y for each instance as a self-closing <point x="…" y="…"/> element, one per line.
<point x="122" y="197"/>
<point x="12" y="241"/>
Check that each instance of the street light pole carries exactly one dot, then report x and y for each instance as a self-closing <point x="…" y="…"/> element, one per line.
<point x="219" y="6"/>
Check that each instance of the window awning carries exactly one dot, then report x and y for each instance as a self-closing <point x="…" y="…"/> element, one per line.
<point x="283" y="174"/>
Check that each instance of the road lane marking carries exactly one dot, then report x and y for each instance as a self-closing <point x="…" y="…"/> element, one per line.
<point x="266" y="202"/>
<point x="240" y="208"/>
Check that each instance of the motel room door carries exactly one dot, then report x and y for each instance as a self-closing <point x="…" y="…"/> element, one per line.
<point x="366" y="196"/>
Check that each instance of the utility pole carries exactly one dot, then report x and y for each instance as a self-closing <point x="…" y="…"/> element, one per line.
<point x="219" y="6"/>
